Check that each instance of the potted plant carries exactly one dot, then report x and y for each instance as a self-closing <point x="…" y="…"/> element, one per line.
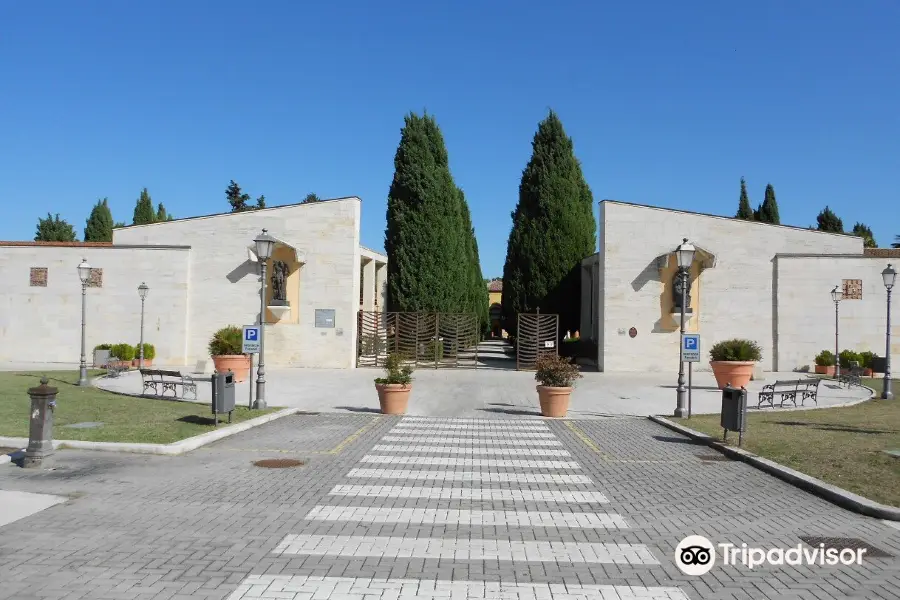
<point x="732" y="361"/>
<point x="149" y="355"/>
<point x="225" y="349"/>
<point x="394" y="388"/>
<point x="825" y="362"/>
<point x="121" y="355"/>
<point x="866" y="359"/>
<point x="555" y="376"/>
<point x="101" y="355"/>
<point x="846" y="359"/>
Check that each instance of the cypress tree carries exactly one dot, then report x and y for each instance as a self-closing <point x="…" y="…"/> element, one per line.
<point x="768" y="211"/>
<point x="426" y="266"/>
<point x="744" y="211"/>
<point x="143" y="210"/>
<point x="311" y="197"/>
<point x="865" y="232"/>
<point x="236" y="197"/>
<point x="99" y="225"/>
<point x="54" y="229"/>
<point x="477" y="300"/>
<point x="553" y="230"/>
<point x="162" y="214"/>
<point x="828" y="221"/>
<point x="261" y="202"/>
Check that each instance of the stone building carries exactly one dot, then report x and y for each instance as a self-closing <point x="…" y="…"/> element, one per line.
<point x="768" y="283"/>
<point x="203" y="274"/>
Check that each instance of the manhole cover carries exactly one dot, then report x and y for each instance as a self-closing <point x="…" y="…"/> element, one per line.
<point x="840" y="543"/>
<point x="713" y="457"/>
<point x="279" y="463"/>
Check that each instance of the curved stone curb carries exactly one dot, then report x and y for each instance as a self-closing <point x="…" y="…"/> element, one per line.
<point x="173" y="449"/>
<point x="832" y="493"/>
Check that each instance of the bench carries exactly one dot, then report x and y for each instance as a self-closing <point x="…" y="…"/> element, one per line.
<point x="115" y="367"/>
<point x="168" y="381"/>
<point x="852" y="376"/>
<point x="790" y="389"/>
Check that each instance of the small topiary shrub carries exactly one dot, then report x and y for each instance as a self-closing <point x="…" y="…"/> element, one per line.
<point x="226" y="341"/>
<point x="849" y="356"/>
<point x="149" y="351"/>
<point x="866" y="359"/>
<point x="825" y="358"/>
<point x="103" y="347"/>
<point x="736" y="350"/>
<point x="555" y="371"/>
<point x="124" y="352"/>
<point x="395" y="371"/>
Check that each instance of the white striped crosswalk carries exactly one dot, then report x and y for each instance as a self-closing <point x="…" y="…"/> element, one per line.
<point x="473" y="460"/>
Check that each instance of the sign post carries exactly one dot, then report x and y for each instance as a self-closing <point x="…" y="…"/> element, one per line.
<point x="250" y="345"/>
<point x="690" y="353"/>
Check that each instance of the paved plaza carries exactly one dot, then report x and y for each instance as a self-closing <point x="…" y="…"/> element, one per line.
<point x="423" y="508"/>
<point x="494" y="392"/>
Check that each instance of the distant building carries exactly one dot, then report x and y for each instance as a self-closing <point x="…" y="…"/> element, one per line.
<point x="495" y="294"/>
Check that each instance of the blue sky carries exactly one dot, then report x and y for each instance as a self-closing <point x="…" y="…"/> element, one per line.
<point x="669" y="103"/>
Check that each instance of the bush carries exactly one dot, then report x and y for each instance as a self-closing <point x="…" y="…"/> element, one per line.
<point x="124" y="352"/>
<point x="226" y="341"/>
<point x="825" y="358"/>
<point x="372" y="344"/>
<point x="396" y="372"/>
<point x="434" y="351"/>
<point x="103" y="347"/>
<point x="555" y="371"/>
<point x="149" y="351"/>
<point x="849" y="356"/>
<point x="736" y="350"/>
<point x="866" y="358"/>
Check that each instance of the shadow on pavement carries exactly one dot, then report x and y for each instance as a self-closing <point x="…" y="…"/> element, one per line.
<point x="512" y="411"/>
<point x="359" y="409"/>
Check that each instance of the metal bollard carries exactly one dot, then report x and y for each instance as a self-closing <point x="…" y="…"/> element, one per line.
<point x="40" y="435"/>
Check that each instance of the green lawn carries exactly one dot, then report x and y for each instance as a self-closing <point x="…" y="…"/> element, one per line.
<point x="124" y="419"/>
<point x="842" y="446"/>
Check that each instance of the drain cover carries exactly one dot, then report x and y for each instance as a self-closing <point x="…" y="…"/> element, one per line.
<point x="840" y="543"/>
<point x="713" y="457"/>
<point x="279" y="463"/>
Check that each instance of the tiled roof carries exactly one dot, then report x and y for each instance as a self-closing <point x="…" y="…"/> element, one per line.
<point x="495" y="286"/>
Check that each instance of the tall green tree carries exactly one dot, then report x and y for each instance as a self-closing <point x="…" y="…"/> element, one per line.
<point x="865" y="232"/>
<point x="768" y="210"/>
<point x="162" y="214"/>
<point x="896" y="243"/>
<point x="237" y="198"/>
<point x="828" y="221"/>
<point x="54" y="229"/>
<point x="99" y="225"/>
<point x="118" y="224"/>
<point x="477" y="293"/>
<point x="423" y="238"/>
<point x="553" y="230"/>
<point x="311" y="197"/>
<point x="745" y="211"/>
<point x="261" y="202"/>
<point x="144" y="214"/>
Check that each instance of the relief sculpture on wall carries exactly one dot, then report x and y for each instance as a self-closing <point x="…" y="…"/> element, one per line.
<point x="677" y="285"/>
<point x="279" y="278"/>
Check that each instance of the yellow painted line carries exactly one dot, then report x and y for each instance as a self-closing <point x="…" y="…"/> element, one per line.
<point x="352" y="437"/>
<point x="336" y="450"/>
<point x="603" y="455"/>
<point x="583" y="437"/>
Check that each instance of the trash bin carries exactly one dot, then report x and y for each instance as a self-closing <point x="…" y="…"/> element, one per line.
<point x="222" y="393"/>
<point x="734" y="411"/>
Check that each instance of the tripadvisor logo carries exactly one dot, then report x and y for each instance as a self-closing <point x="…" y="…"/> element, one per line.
<point x="696" y="555"/>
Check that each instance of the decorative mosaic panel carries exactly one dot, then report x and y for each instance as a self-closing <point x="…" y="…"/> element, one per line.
<point x="96" y="278"/>
<point x="852" y="289"/>
<point x="38" y="277"/>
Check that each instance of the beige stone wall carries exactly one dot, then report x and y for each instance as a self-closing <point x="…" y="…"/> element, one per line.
<point x="224" y="282"/>
<point x="733" y="299"/>
<point x="806" y="311"/>
<point x="43" y="324"/>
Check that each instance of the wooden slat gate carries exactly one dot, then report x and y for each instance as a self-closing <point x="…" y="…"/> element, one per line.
<point x="436" y="340"/>
<point x="536" y="336"/>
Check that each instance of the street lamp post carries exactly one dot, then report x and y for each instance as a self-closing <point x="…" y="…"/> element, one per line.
<point x="143" y="290"/>
<point x="889" y="275"/>
<point x="837" y="296"/>
<point x="264" y="246"/>
<point x="685" y="255"/>
<point x="84" y="274"/>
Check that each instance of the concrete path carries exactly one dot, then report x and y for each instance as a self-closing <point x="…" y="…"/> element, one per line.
<point x="428" y="509"/>
<point x="491" y="392"/>
<point x="18" y="505"/>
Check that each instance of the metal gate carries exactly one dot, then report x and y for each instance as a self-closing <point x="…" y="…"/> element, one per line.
<point x="536" y="336"/>
<point x="436" y="340"/>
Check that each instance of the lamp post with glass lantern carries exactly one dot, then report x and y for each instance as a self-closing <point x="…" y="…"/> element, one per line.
<point x="264" y="246"/>
<point x="143" y="290"/>
<point x="889" y="275"/>
<point x="84" y="274"/>
<point x="685" y="255"/>
<point x="837" y="296"/>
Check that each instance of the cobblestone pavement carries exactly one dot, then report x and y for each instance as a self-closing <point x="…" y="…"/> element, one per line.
<point x="423" y="508"/>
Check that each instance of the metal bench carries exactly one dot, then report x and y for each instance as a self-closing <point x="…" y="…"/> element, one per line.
<point x="115" y="367"/>
<point x="790" y="389"/>
<point x="853" y="376"/>
<point x="168" y="381"/>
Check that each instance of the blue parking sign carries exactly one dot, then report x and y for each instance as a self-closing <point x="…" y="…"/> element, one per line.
<point x="690" y="347"/>
<point x="250" y="343"/>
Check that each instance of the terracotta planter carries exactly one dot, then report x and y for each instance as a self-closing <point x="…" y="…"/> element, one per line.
<point x="737" y="373"/>
<point x="393" y="397"/>
<point x="822" y="370"/>
<point x="136" y="363"/>
<point x="868" y="372"/>
<point x="554" y="400"/>
<point x="239" y="364"/>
